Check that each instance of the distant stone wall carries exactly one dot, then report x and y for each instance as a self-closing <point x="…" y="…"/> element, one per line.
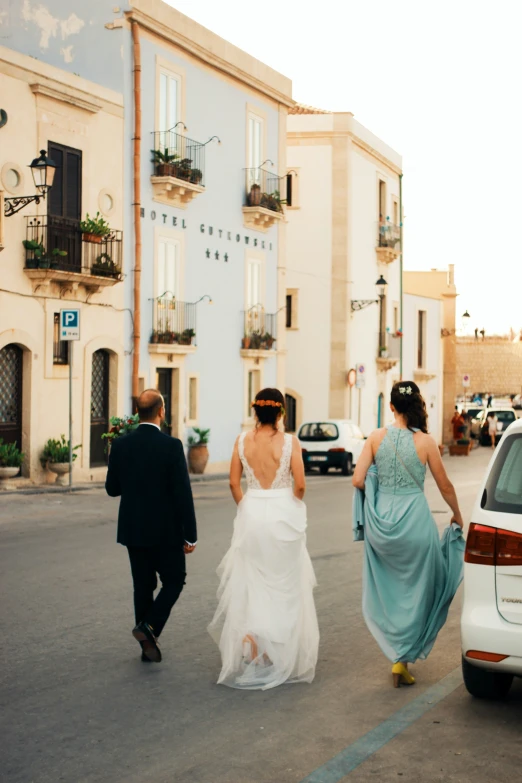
<point x="494" y="365"/>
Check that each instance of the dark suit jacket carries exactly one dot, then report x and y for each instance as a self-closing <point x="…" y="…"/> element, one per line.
<point x="149" y="471"/>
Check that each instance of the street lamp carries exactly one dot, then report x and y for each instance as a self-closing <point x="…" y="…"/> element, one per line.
<point x="43" y="170"/>
<point x="360" y="304"/>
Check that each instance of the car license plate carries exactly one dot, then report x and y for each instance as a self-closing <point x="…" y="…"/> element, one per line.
<point x="317" y="459"/>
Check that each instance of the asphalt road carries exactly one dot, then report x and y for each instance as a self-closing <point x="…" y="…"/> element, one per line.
<point x="80" y="707"/>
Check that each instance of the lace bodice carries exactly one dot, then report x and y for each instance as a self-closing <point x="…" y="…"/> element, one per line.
<point x="392" y="472"/>
<point x="283" y="477"/>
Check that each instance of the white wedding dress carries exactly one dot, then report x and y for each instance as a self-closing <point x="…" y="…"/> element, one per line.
<point x="266" y="624"/>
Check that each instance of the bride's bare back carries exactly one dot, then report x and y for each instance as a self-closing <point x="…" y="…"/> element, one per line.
<point x="263" y="451"/>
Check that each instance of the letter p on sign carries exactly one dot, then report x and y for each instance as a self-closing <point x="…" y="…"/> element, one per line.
<point x="69" y="324"/>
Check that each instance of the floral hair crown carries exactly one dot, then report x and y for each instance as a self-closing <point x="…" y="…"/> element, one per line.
<point x="405" y="390"/>
<point x="262" y="403"/>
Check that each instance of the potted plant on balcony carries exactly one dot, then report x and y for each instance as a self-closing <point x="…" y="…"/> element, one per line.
<point x="184" y="169"/>
<point x="267" y="341"/>
<point x="164" y="163"/>
<point x="11" y="459"/>
<point x="94" y="229"/>
<point x="198" y="450"/>
<point x="120" y="426"/>
<point x="255" y="340"/>
<point x="254" y="197"/>
<point x="187" y="336"/>
<point x="246" y="341"/>
<point x="461" y="448"/>
<point x="40" y="258"/>
<point x="383" y="352"/>
<point x="104" y="266"/>
<point x="196" y="176"/>
<point x="55" y="457"/>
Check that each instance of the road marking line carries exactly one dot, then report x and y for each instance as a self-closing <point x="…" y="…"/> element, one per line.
<point x="351" y="757"/>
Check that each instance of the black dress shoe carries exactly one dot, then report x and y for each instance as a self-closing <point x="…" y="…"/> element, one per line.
<point x="144" y="635"/>
<point x="144" y="658"/>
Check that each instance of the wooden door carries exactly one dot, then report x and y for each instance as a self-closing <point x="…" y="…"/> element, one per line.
<point x="65" y="205"/>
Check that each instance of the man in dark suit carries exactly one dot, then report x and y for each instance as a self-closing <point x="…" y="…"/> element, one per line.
<point x="156" y="520"/>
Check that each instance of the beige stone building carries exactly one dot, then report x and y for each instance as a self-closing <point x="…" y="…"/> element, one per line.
<point x="440" y="284"/>
<point x="494" y="364"/>
<point x="80" y="125"/>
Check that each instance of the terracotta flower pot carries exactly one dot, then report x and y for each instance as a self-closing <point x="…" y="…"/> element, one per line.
<point x="197" y="459"/>
<point x="460" y="450"/>
<point x="254" y="197"/>
<point x="95" y="238"/>
<point x="166" y="170"/>
<point x="61" y="469"/>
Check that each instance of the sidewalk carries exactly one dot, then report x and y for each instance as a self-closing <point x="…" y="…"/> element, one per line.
<point x="25" y="487"/>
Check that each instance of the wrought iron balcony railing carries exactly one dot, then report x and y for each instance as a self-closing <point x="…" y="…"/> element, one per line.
<point x="58" y="244"/>
<point x="173" y="322"/>
<point x="260" y="330"/>
<point x="388" y="235"/>
<point x="265" y="189"/>
<point x="174" y="155"/>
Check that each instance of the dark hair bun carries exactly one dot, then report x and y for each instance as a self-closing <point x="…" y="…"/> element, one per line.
<point x="269" y="405"/>
<point x="407" y="400"/>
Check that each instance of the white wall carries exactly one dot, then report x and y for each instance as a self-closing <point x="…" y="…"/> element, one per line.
<point x="309" y="263"/>
<point x="431" y="389"/>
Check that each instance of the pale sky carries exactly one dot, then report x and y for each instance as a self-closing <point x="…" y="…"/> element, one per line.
<point x="439" y="82"/>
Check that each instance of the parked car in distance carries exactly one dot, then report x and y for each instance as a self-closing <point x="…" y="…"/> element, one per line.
<point x="333" y="443"/>
<point x="491" y="624"/>
<point x="480" y="426"/>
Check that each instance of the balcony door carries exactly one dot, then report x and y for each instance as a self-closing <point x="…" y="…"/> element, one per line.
<point x="168" y="385"/>
<point x="65" y="205"/>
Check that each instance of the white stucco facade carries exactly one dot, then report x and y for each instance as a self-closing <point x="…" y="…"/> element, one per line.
<point x="346" y="179"/>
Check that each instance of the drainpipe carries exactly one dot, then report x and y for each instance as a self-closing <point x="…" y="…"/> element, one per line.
<point x="137" y="211"/>
<point x="400" y="268"/>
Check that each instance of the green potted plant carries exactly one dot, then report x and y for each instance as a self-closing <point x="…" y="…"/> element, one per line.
<point x="268" y="341"/>
<point x="255" y="340"/>
<point x="40" y="258"/>
<point x="164" y="163"/>
<point x="104" y="266"/>
<point x="120" y="426"/>
<point x="187" y="336"/>
<point x="154" y="338"/>
<point x="184" y="169"/>
<point x="196" y="176"/>
<point x="383" y="352"/>
<point x="11" y="459"/>
<point x="55" y="457"/>
<point x="254" y="197"/>
<point x="198" y="450"/>
<point x="94" y="229"/>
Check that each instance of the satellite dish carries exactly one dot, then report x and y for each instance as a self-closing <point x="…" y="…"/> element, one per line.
<point x="3" y="117"/>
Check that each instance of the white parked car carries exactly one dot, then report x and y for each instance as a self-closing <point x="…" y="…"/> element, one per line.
<point x="480" y="426"/>
<point x="333" y="443"/>
<point x="491" y="625"/>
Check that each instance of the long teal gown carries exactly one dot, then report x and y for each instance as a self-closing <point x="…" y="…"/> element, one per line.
<point x="410" y="574"/>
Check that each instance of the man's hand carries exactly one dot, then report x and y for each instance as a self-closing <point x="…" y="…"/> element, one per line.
<point x="189" y="548"/>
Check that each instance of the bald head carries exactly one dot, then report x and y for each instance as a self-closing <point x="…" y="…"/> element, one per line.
<point x="151" y="406"/>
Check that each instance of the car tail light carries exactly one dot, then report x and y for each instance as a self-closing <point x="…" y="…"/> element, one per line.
<point x="488" y="546"/>
<point x="509" y="548"/>
<point x="337" y="451"/>
<point x="478" y="655"/>
<point x="480" y="545"/>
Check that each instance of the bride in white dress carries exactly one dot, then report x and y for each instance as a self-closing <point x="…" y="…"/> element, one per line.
<point x="266" y="624"/>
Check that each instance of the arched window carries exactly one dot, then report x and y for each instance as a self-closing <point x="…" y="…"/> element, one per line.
<point x="99" y="407"/>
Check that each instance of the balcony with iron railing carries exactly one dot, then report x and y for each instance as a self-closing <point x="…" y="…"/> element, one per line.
<point x="389" y="351"/>
<point x="259" y="333"/>
<point x="173" y="326"/>
<point x="388" y="246"/>
<point x="57" y="251"/>
<point x="265" y="195"/>
<point x="178" y="168"/>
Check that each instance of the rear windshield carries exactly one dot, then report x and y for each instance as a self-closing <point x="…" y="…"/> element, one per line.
<point x="472" y="412"/>
<point x="505" y="415"/>
<point x="319" y="431"/>
<point x="504" y="486"/>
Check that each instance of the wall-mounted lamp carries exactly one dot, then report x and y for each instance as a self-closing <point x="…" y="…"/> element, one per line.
<point x="212" y="139"/>
<point x="360" y="304"/>
<point x="206" y="296"/>
<point x="43" y="170"/>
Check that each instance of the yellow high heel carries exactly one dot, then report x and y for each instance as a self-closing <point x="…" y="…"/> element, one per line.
<point x="401" y="675"/>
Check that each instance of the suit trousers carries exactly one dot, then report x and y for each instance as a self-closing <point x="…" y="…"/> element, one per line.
<point x="146" y="563"/>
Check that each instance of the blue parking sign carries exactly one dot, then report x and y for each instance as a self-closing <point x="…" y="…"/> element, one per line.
<point x="70" y="324"/>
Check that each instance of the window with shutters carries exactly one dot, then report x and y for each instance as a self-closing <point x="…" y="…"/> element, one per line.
<point x="169" y="99"/>
<point x="65" y="205"/>
<point x="255" y="147"/>
<point x="292" y="301"/>
<point x="167" y="267"/>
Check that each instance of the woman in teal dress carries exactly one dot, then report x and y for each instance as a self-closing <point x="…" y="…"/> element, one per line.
<point x="410" y="574"/>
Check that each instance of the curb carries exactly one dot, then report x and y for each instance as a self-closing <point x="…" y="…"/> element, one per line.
<point x="50" y="489"/>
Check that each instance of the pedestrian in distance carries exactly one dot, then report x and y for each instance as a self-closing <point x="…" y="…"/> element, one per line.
<point x="156" y="520"/>
<point x="265" y="623"/>
<point x="493" y="428"/>
<point x="410" y="574"/>
<point x="458" y="424"/>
